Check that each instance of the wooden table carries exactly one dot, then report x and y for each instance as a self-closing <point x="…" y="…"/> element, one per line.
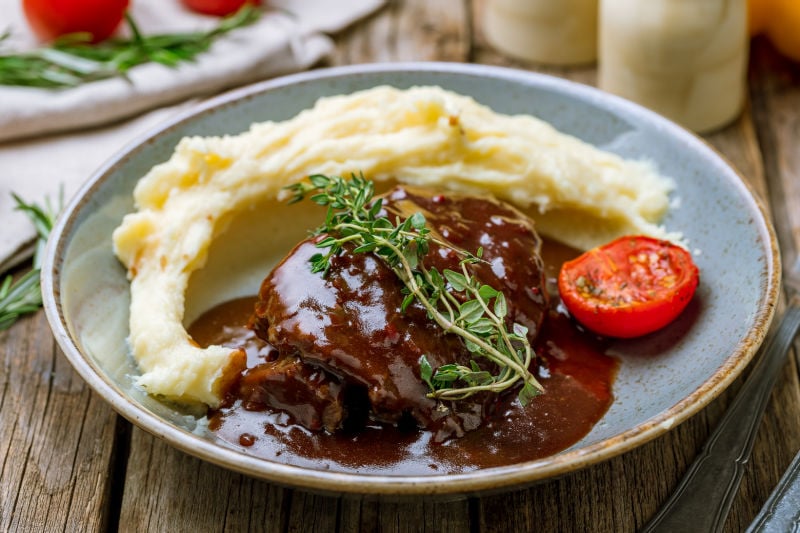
<point x="69" y="462"/>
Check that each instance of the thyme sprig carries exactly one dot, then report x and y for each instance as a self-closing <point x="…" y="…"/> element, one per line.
<point x="73" y="60"/>
<point x="25" y="295"/>
<point x="457" y="301"/>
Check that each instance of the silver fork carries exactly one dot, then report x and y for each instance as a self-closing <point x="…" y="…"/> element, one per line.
<point x="703" y="498"/>
<point x="782" y="510"/>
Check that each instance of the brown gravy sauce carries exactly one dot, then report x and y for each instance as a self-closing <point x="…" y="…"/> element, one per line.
<point x="577" y="383"/>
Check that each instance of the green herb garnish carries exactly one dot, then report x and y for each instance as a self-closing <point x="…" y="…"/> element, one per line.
<point x="477" y="316"/>
<point x="25" y="296"/>
<point x="73" y="60"/>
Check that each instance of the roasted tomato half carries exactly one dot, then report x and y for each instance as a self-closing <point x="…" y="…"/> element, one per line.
<point x="629" y="287"/>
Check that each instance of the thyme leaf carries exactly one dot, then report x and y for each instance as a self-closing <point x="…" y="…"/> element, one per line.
<point x="456" y="300"/>
<point x="25" y="295"/>
<point x="73" y="60"/>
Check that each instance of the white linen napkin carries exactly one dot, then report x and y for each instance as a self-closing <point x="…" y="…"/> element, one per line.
<point x="50" y="138"/>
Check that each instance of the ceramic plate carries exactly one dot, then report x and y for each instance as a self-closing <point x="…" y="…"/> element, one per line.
<point x="663" y="378"/>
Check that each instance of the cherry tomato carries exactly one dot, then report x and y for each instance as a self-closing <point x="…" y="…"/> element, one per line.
<point x="629" y="287"/>
<point x="218" y="7"/>
<point x="53" y="18"/>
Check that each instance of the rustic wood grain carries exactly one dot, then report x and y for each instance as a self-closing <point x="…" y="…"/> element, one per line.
<point x="56" y="438"/>
<point x="408" y="30"/>
<point x="70" y="463"/>
<point x="167" y="490"/>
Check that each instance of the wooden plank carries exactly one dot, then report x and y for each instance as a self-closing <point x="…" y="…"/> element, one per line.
<point x="56" y="437"/>
<point x="616" y="495"/>
<point x="390" y="515"/>
<point x="350" y="514"/>
<point x="449" y="516"/>
<point x="408" y="30"/>
<point x="168" y="490"/>
<point x="312" y="512"/>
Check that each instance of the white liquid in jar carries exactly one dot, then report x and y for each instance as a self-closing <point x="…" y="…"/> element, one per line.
<point x="685" y="59"/>
<point x="559" y="32"/>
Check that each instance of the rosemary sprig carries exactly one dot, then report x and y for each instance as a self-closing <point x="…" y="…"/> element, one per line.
<point x="25" y="296"/>
<point x="457" y="301"/>
<point x="73" y="60"/>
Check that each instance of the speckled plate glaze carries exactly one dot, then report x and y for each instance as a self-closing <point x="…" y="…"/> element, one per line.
<point x="664" y="378"/>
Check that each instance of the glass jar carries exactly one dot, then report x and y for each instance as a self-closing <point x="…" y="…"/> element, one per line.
<point x="685" y="59"/>
<point x="556" y="32"/>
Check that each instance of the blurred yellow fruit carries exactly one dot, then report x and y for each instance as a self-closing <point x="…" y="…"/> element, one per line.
<point x="758" y="14"/>
<point x="783" y="27"/>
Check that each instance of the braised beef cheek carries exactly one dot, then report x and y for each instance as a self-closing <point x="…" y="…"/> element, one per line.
<point x="348" y="327"/>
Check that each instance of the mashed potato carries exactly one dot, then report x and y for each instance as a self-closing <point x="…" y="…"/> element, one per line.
<point x="425" y="136"/>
